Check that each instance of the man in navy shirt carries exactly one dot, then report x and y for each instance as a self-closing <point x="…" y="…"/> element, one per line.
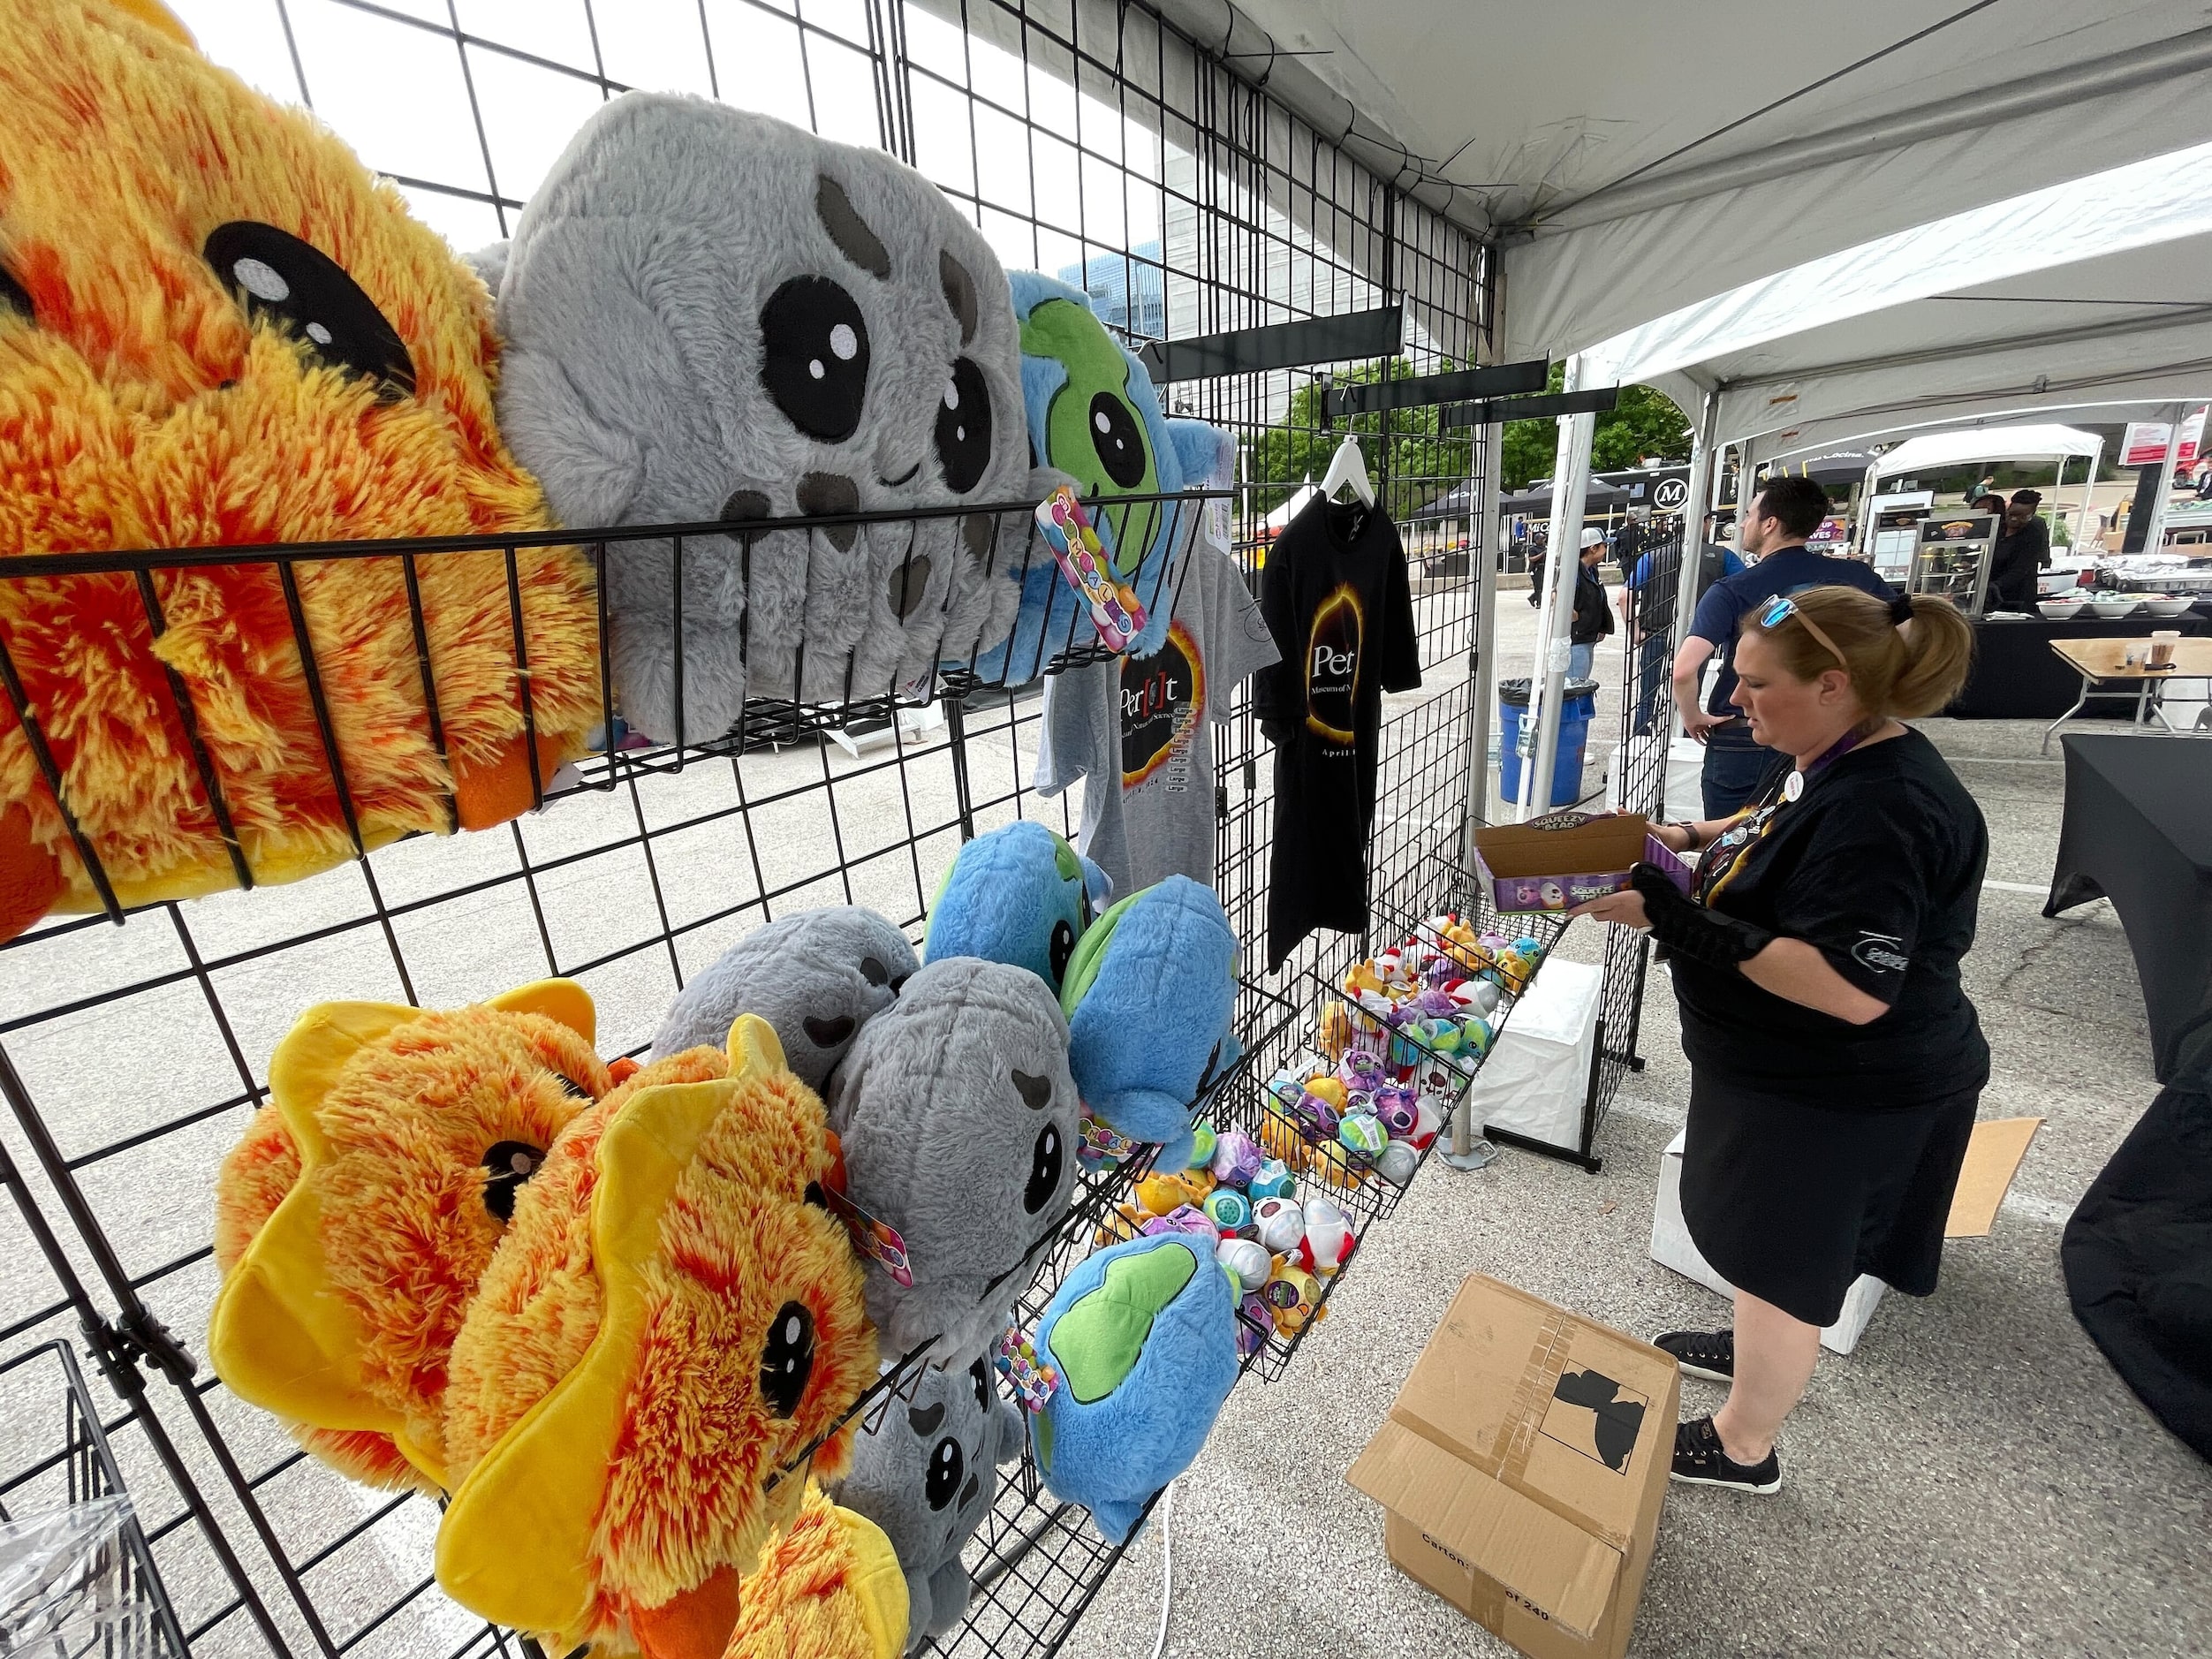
<point x="1775" y="529"/>
<point x="1647" y="608"/>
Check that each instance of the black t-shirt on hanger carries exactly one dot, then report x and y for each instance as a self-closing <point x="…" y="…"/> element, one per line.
<point x="1336" y="597"/>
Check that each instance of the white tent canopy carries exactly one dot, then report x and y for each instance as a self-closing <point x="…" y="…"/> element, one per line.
<point x="1938" y="450"/>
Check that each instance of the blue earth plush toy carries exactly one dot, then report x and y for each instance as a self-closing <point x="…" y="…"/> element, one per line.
<point x="1093" y="418"/>
<point x="1149" y="999"/>
<point x="1143" y="1336"/>
<point x="1020" y="895"/>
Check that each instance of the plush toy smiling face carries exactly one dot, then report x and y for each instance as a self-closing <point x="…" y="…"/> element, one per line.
<point x="217" y="328"/>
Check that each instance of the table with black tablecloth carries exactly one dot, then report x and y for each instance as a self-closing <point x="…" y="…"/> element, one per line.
<point x="2138" y="830"/>
<point x="2018" y="677"/>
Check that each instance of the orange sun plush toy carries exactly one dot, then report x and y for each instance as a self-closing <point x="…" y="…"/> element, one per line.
<point x="459" y="1255"/>
<point x="217" y="329"/>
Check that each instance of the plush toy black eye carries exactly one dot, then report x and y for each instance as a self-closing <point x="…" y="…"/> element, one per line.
<point x="964" y="427"/>
<point x="1119" y="439"/>
<point x="13" y="297"/>
<point x="947" y="1464"/>
<point x="507" y="1165"/>
<point x="1063" y="947"/>
<point x="788" y="1359"/>
<point x="1044" y="1170"/>
<point x="873" y="972"/>
<point x="814" y="357"/>
<point x="980" y="1374"/>
<point x="828" y="1034"/>
<point x="308" y="295"/>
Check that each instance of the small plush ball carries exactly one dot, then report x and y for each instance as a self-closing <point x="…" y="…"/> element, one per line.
<point x="1362" y="1134"/>
<point x="1248" y="1263"/>
<point x="1529" y="946"/>
<point x="1426" y="1121"/>
<point x="1315" y="1116"/>
<point x="1163" y="1194"/>
<point x="1399" y="1108"/>
<point x="1253" y="1323"/>
<point x="1398" y="1163"/>
<point x="1292" y="1294"/>
<point x="1442" y="1036"/>
<point x="1281" y="1224"/>
<point x="1477" y="1033"/>
<point x="1185" y="1220"/>
<point x="1473" y="995"/>
<point x="1329" y="1089"/>
<point x="1328" y="1242"/>
<point x="1201" y="1146"/>
<point x="1283" y="1088"/>
<point x="1228" y="1209"/>
<point x="1236" y="1159"/>
<point x="1361" y="1071"/>
<point x="1275" y="1180"/>
<point x="1334" y="1032"/>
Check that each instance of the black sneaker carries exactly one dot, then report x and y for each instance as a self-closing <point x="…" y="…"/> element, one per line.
<point x="1700" y="1461"/>
<point x="1710" y="1355"/>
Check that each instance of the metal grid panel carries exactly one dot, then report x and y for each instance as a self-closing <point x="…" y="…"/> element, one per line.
<point x="1098" y="143"/>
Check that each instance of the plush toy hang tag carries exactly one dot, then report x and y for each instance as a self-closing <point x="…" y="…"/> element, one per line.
<point x="1032" y="1381"/>
<point x="1102" y="1144"/>
<point x="877" y="1240"/>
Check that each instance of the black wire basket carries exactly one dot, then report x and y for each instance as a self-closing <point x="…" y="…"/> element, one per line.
<point x="104" y="1595"/>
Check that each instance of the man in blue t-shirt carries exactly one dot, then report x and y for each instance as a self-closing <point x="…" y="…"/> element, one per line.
<point x="1775" y="529"/>
<point x="1647" y="599"/>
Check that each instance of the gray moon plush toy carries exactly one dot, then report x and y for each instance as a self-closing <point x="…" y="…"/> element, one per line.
<point x="817" y="977"/>
<point x="712" y="315"/>
<point x="958" y="1119"/>
<point x="927" y="1475"/>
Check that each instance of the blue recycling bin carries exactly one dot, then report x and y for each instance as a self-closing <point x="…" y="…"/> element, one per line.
<point x="1579" y="708"/>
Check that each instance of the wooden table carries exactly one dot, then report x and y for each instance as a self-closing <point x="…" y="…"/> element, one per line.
<point x="2096" y="660"/>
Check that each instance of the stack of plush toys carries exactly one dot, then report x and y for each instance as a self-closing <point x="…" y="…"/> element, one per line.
<point x="217" y="330"/>
<point x="617" y="1315"/>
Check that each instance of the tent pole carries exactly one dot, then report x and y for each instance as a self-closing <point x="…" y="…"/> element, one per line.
<point x="1570" y="482"/>
<point x="1702" y="478"/>
<point x="2088" y="490"/>
<point x="2155" y="538"/>
<point x="1866" y="512"/>
<point x="1485" y="542"/>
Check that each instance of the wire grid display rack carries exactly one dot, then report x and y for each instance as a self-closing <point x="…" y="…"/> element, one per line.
<point x="131" y="1057"/>
<point x="125" y="1609"/>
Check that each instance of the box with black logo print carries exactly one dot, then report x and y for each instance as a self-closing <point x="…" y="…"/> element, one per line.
<point x="1522" y="1469"/>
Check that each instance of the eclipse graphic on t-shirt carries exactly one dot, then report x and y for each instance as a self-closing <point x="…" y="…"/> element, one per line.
<point x="1163" y="696"/>
<point x="1332" y="665"/>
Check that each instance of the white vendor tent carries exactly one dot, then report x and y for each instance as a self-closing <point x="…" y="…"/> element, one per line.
<point x="1937" y="450"/>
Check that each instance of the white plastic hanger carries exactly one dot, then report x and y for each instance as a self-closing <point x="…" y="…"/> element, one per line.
<point x="1349" y="466"/>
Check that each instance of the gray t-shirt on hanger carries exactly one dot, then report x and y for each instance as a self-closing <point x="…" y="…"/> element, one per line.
<point x="1139" y="730"/>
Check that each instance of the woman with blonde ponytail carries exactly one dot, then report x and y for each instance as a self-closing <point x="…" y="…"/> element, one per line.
<point x="1835" y="1061"/>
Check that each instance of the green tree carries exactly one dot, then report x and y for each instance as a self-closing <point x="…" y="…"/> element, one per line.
<point x="1644" y="422"/>
<point x="1423" y="461"/>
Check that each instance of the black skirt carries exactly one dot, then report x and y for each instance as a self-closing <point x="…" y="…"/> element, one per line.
<point x="1792" y="1201"/>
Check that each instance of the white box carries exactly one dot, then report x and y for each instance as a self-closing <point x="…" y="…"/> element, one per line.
<point x="1672" y="1246"/>
<point x="1537" y="1076"/>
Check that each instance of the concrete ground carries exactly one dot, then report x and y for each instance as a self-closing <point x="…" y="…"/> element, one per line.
<point x="1974" y="1480"/>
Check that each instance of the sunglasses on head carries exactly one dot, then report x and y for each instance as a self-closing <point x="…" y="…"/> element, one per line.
<point x="1782" y="607"/>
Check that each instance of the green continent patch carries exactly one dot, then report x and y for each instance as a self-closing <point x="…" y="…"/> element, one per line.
<point x="1096" y="1342"/>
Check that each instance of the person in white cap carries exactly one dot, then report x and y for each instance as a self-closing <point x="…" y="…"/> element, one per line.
<point x="1592" y="616"/>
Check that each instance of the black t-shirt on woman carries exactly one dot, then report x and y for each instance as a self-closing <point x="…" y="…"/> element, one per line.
<point x="1879" y="864"/>
<point x="1336" y="598"/>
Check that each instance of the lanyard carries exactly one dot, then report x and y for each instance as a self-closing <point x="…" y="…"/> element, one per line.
<point x="1794" y="785"/>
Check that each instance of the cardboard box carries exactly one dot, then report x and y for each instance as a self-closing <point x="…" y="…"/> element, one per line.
<point x="1522" y="1469"/>
<point x="1993" y="1158"/>
<point x="1566" y="859"/>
